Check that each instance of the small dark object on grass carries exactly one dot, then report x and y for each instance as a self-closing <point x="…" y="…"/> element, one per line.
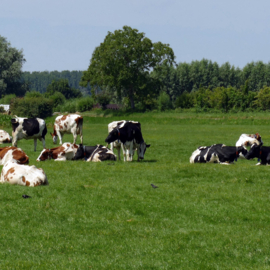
<point x="25" y="196"/>
<point x="110" y="163"/>
<point x="153" y="186"/>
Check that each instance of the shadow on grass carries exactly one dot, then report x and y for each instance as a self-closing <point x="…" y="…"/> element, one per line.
<point x="150" y="161"/>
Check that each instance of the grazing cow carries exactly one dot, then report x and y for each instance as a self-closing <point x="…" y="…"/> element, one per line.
<point x="28" y="128"/>
<point x="130" y="135"/>
<point x="217" y="153"/>
<point x="61" y="153"/>
<point x="247" y="140"/>
<point x="117" y="144"/>
<point x="260" y="152"/>
<point x="70" y="123"/>
<point x="94" y="153"/>
<point x="5" y="137"/>
<point x="11" y="153"/>
<point x="23" y="175"/>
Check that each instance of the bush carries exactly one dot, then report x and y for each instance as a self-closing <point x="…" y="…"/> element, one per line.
<point x="164" y="102"/>
<point x="58" y="99"/>
<point x="184" y="101"/>
<point x="7" y="99"/>
<point x="32" y="107"/>
<point x="68" y="106"/>
<point x="85" y="104"/>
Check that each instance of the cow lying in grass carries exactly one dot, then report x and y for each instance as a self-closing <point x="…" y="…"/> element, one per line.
<point x="247" y="140"/>
<point x="5" y="137"/>
<point x="23" y="175"/>
<point x="11" y="153"/>
<point x="61" y="153"/>
<point x="217" y="153"/>
<point x="260" y="152"/>
<point x="95" y="153"/>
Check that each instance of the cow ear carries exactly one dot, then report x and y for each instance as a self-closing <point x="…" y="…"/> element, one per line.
<point x="246" y="143"/>
<point x="148" y="145"/>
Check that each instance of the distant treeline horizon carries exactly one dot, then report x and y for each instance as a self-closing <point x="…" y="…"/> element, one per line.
<point x="176" y="80"/>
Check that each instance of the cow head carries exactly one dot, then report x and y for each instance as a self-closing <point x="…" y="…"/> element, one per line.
<point x="45" y="154"/>
<point x="258" y="137"/>
<point x="254" y="152"/>
<point x="113" y="136"/>
<point x="54" y="137"/>
<point x="142" y="149"/>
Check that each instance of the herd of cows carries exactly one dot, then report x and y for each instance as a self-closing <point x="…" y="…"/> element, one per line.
<point x="125" y="135"/>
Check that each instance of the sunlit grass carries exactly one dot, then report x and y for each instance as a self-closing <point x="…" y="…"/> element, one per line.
<point x="107" y="215"/>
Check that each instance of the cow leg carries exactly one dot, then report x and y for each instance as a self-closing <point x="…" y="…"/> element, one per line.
<point x="59" y="136"/>
<point x="35" y="145"/>
<point x="119" y="153"/>
<point x="74" y="138"/>
<point x="81" y="136"/>
<point x="43" y="142"/>
<point x="124" y="151"/>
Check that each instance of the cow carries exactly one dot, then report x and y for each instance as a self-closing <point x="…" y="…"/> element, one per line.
<point x="5" y="137"/>
<point x="61" y="153"/>
<point x="95" y="153"/>
<point x="28" y="128"/>
<point x="70" y="123"/>
<point x="130" y="136"/>
<point x="24" y="175"/>
<point x="247" y="140"/>
<point x="117" y="144"/>
<point x="260" y="152"/>
<point x="11" y="153"/>
<point x="217" y="153"/>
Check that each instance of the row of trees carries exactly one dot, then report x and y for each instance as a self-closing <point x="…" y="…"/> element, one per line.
<point x="129" y="69"/>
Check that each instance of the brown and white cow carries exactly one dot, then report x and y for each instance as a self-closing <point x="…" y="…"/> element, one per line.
<point x="64" y="152"/>
<point x="28" y="128"/>
<point x="11" y="153"/>
<point x="5" y="137"/>
<point x="70" y="123"/>
<point x="23" y="175"/>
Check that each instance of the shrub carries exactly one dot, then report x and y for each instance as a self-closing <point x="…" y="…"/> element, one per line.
<point x="164" y="102"/>
<point x="32" y="107"/>
<point x="58" y="99"/>
<point x="85" y="104"/>
<point x="7" y="99"/>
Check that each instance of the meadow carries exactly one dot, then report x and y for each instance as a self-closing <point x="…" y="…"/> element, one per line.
<point x="107" y="216"/>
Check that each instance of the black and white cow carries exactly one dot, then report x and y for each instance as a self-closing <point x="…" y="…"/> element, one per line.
<point x="247" y="140"/>
<point x="94" y="153"/>
<point x="217" y="153"/>
<point x="28" y="128"/>
<point x="130" y="135"/>
<point x="117" y="144"/>
<point x="260" y="152"/>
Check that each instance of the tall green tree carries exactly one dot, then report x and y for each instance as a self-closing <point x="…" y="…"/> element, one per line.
<point x="124" y="59"/>
<point x="11" y="61"/>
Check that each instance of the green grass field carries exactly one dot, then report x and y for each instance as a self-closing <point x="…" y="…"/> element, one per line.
<point x="107" y="215"/>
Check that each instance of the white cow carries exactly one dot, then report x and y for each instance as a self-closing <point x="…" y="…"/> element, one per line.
<point x="247" y="140"/>
<point x="70" y="123"/>
<point x="5" y="137"/>
<point x="23" y="175"/>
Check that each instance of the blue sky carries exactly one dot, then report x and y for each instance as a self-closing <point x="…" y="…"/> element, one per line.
<point x="62" y="35"/>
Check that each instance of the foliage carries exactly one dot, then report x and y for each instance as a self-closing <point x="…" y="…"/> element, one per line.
<point x="123" y="61"/>
<point x="63" y="87"/>
<point x="164" y="102"/>
<point x="31" y="107"/>
<point x="7" y="99"/>
<point x="58" y="99"/>
<point x="33" y="94"/>
<point x="262" y="99"/>
<point x="70" y="106"/>
<point x="103" y="99"/>
<point x="11" y="62"/>
<point x="39" y="81"/>
<point x="85" y="104"/>
<point x="185" y="100"/>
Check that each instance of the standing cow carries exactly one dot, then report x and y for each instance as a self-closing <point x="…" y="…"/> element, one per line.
<point x="130" y="136"/>
<point x="28" y="128"/>
<point x="70" y="123"/>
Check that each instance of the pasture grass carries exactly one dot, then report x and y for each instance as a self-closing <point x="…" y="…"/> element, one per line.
<point x="107" y="215"/>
